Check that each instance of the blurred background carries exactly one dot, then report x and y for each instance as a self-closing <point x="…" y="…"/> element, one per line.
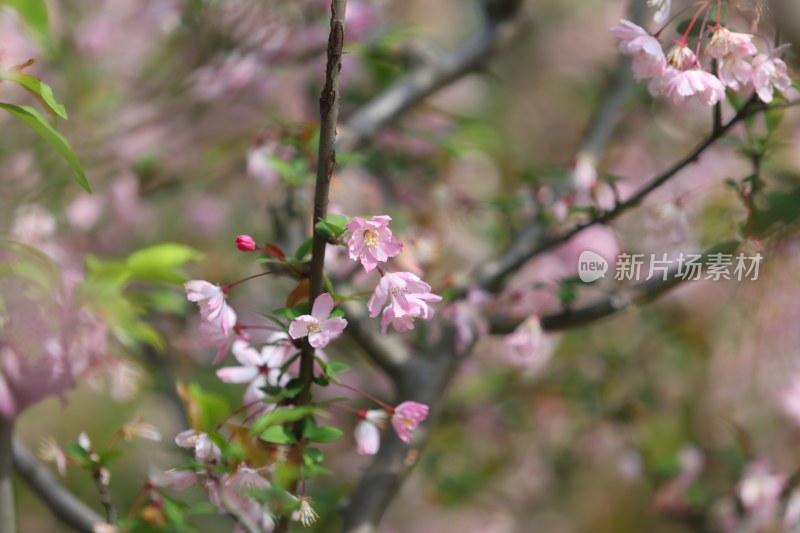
<point x="195" y="121"/>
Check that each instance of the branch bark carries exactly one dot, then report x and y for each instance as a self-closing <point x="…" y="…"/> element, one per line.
<point x="423" y="379"/>
<point x="500" y="21"/>
<point x="66" y="507"/>
<point x="329" y="114"/>
<point x="8" y="504"/>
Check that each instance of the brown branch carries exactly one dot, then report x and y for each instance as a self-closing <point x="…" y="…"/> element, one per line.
<point x="423" y="379"/>
<point x="66" y="507"/>
<point x="329" y="113"/>
<point x="389" y="353"/>
<point x="625" y="298"/>
<point x="501" y="21"/>
<point x="530" y="242"/>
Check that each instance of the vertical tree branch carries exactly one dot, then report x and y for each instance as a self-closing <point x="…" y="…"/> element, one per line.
<point x="8" y="506"/>
<point x="329" y="114"/>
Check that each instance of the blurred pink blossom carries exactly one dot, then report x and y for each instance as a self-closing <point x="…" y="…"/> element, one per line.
<point x="26" y="380"/>
<point x="408" y="296"/>
<point x="211" y="300"/>
<point x="368" y="431"/>
<point x="204" y="448"/>
<point x="759" y="490"/>
<point x="648" y="56"/>
<point x="406" y="417"/>
<point x="698" y="84"/>
<point x="769" y="73"/>
<point x="528" y="347"/>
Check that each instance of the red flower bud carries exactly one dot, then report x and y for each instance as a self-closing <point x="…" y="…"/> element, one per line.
<point x="245" y="243"/>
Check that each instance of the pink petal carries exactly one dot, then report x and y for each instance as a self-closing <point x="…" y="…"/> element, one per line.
<point x="299" y="326"/>
<point x="368" y="438"/>
<point x="237" y="374"/>
<point x="323" y="306"/>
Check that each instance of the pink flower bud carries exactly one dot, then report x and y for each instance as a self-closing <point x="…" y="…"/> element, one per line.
<point x="245" y="243"/>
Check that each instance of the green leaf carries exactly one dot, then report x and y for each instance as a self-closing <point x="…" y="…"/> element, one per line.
<point x="304" y="248"/>
<point x="337" y="220"/>
<point x="314" y="433"/>
<point x="277" y="435"/>
<point x="312" y="455"/>
<point x="159" y="263"/>
<point x="38" y="88"/>
<point x="34" y="13"/>
<point x="280" y="416"/>
<point x="773" y="118"/>
<point x="76" y="452"/>
<point x="212" y="408"/>
<point x="323" y="229"/>
<point x="37" y="122"/>
<point x="325" y="434"/>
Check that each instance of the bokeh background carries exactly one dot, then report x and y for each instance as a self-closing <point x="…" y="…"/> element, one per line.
<point x="195" y="122"/>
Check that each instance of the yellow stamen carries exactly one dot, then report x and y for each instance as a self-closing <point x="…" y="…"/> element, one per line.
<point x="370" y="237"/>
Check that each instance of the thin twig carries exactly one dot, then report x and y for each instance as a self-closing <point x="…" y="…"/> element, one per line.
<point x="105" y="496"/>
<point x="530" y="243"/>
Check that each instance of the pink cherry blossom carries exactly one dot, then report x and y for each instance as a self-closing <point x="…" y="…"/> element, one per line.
<point x="658" y="86"/>
<point x="211" y="300"/>
<point x="469" y="318"/>
<point x="245" y="243"/>
<point x="317" y="326"/>
<point x="769" y="73"/>
<point x="371" y="241"/>
<point x="258" y="369"/>
<point x="368" y="431"/>
<point x="681" y="56"/>
<point x="204" y="448"/>
<point x="695" y="83"/>
<point x="211" y="333"/>
<point x="648" y="56"/>
<point x="406" y="417"/>
<point x="735" y="72"/>
<point x="725" y="42"/>
<point x="528" y="347"/>
<point x="408" y="299"/>
<point x="759" y="490"/>
<point x="176" y="479"/>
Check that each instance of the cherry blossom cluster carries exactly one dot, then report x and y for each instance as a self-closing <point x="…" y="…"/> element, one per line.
<point x="371" y="242"/>
<point x="399" y="298"/>
<point x="721" y="59"/>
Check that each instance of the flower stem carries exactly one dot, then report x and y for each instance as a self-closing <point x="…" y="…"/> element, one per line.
<point x="229" y="286"/>
<point x="703" y="7"/>
<point x="368" y="396"/>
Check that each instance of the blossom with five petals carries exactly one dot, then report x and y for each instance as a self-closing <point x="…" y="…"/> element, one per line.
<point x="317" y="326"/>
<point x="371" y="241"/>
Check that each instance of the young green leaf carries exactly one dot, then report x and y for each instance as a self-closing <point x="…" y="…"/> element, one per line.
<point x="39" y="89"/>
<point x="277" y="435"/>
<point x="37" y="122"/>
